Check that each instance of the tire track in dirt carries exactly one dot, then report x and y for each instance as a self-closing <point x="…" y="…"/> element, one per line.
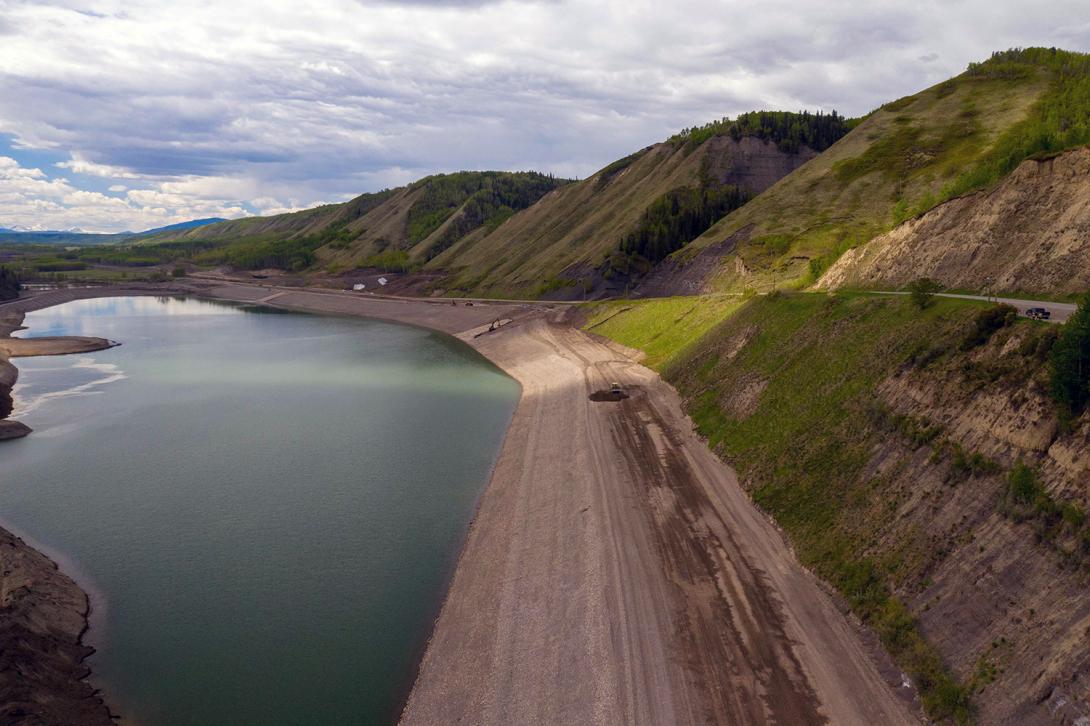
<point x="616" y="574"/>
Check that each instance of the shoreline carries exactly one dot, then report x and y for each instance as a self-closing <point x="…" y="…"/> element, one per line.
<point x="574" y="596"/>
<point x="46" y="613"/>
<point x="58" y="624"/>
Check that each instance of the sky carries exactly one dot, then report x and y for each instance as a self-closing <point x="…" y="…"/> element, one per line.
<point x="130" y="115"/>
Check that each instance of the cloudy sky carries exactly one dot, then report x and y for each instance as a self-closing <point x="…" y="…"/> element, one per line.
<point x="129" y="115"/>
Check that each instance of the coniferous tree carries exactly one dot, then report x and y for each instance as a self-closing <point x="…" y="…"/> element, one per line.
<point x="9" y="284"/>
<point x="1071" y="361"/>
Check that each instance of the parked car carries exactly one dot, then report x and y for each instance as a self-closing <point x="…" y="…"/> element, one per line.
<point x="1039" y="313"/>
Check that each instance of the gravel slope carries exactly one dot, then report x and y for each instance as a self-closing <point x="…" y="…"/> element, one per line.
<point x="616" y="573"/>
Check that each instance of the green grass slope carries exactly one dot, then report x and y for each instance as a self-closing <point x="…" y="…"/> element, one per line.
<point x="663" y="328"/>
<point x="399" y="228"/>
<point x="614" y="226"/>
<point x="903" y="159"/>
<point x="888" y="441"/>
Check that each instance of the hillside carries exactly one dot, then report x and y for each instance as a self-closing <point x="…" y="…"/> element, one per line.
<point x="964" y="134"/>
<point x="1027" y="235"/>
<point x="398" y="228"/>
<point x="918" y="464"/>
<point x="598" y="235"/>
<point x="526" y="234"/>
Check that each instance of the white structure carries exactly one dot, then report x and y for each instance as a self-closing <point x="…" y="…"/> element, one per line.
<point x="359" y="286"/>
<point x="382" y="281"/>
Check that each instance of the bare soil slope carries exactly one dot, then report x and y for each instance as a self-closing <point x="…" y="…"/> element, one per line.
<point x="616" y="573"/>
<point x="1030" y="234"/>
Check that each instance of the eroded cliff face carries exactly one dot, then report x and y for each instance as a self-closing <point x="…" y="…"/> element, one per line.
<point x="1031" y="233"/>
<point x="883" y="439"/>
<point x="1001" y="589"/>
<point x="752" y="163"/>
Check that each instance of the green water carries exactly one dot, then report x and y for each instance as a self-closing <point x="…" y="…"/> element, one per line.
<point x="265" y="506"/>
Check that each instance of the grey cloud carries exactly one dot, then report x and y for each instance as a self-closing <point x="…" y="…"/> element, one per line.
<point x="316" y="102"/>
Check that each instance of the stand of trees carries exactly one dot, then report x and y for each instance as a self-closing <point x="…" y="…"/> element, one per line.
<point x="789" y="131"/>
<point x="678" y="217"/>
<point x="491" y="192"/>
<point x="9" y="284"/>
<point x="1071" y="362"/>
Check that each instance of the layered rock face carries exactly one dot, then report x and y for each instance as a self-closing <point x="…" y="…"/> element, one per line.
<point x="1001" y="593"/>
<point x="752" y="163"/>
<point x="1031" y="233"/>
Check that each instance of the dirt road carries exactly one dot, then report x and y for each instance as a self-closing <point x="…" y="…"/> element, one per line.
<point x="617" y="574"/>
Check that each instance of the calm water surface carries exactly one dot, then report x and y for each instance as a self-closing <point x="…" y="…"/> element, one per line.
<point x="266" y="506"/>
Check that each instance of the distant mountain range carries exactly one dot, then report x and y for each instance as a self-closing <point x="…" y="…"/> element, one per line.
<point x="77" y="236"/>
<point x="183" y="225"/>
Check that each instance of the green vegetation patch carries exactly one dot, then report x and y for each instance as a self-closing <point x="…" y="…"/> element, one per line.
<point x="1059" y="120"/>
<point x="1070" y="363"/>
<point x="9" y="283"/>
<point x="664" y="328"/>
<point x="804" y="449"/>
<point x="486" y="196"/>
<point x="1061" y="525"/>
<point x="678" y="217"/>
<point x="789" y="131"/>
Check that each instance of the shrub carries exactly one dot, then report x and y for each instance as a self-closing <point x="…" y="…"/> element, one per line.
<point x="986" y="323"/>
<point x="972" y="464"/>
<point x="1070" y="362"/>
<point x="922" y="291"/>
<point x="178" y="272"/>
<point x="1073" y="515"/>
<point x="1022" y="484"/>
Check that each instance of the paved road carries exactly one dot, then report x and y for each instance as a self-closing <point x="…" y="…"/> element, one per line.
<point x="1060" y="311"/>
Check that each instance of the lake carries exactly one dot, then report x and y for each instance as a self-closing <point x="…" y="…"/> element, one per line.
<point x="265" y="506"/>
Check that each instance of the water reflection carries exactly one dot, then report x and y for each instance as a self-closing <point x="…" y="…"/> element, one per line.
<point x="269" y="504"/>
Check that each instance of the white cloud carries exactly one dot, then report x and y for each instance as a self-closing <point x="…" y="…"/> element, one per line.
<point x="79" y="165"/>
<point x="29" y="199"/>
<point x="225" y="102"/>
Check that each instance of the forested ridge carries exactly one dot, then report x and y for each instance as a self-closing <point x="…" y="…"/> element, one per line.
<point x="488" y="199"/>
<point x="790" y="131"/>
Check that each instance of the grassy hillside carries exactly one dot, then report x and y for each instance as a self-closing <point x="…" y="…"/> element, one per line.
<point x="526" y="234"/>
<point x="432" y="214"/>
<point x="903" y="159"/>
<point x="900" y="449"/>
<point x="609" y="229"/>
<point x="664" y="328"/>
<point x="398" y="228"/>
